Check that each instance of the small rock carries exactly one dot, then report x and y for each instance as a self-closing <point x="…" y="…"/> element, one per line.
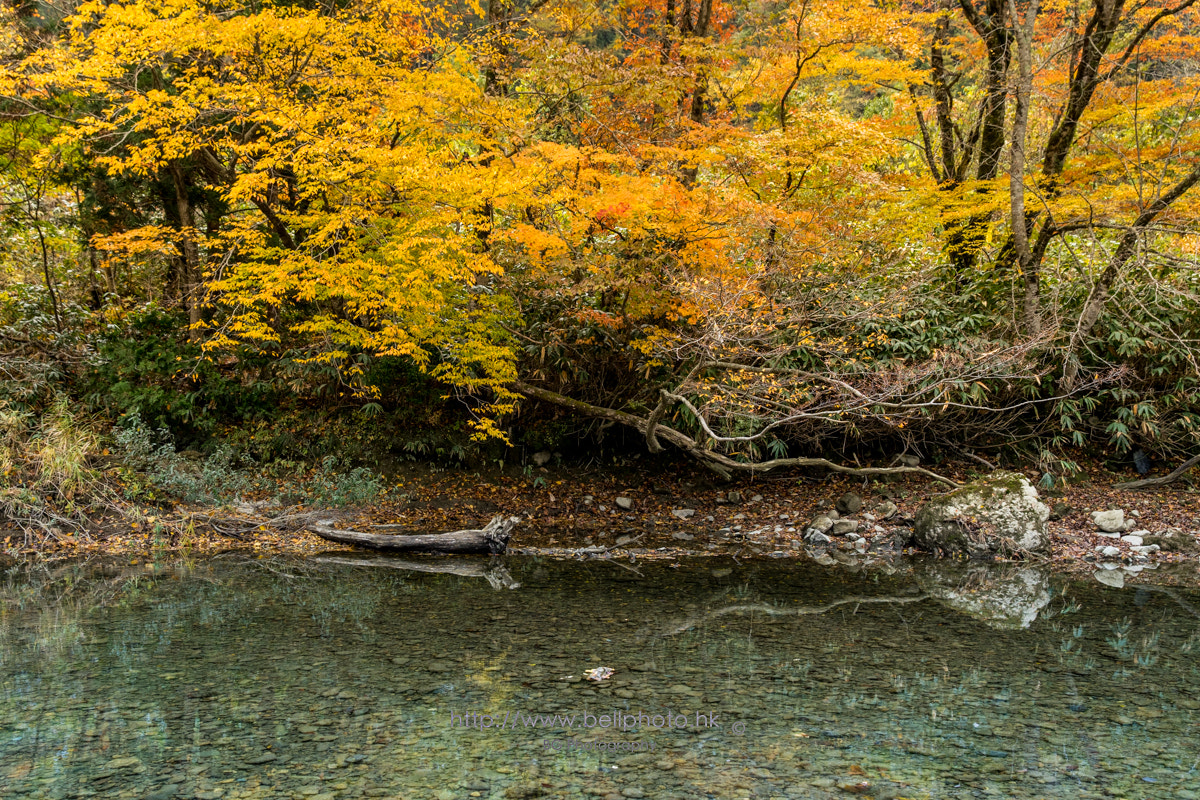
<point x="820" y="524"/>
<point x="849" y="503"/>
<point x="1131" y="539"/>
<point x="1145" y="550"/>
<point x="1111" y="521"/>
<point x="844" y="526"/>
<point x="624" y="503"/>
<point x="909" y="460"/>
<point x="542" y="458"/>
<point x="1110" y="551"/>
<point x="1114" y="578"/>
<point x="734" y="497"/>
<point x="818" y="538"/>
<point x="1108" y="535"/>
<point x="684" y="513"/>
<point x="681" y="536"/>
<point x="886" y="510"/>
<point x="262" y="758"/>
<point x="756" y="499"/>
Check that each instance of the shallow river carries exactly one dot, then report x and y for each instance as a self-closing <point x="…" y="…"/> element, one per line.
<point x="240" y="677"/>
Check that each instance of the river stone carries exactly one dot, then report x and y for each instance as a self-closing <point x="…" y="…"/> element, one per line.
<point x="684" y="513"/>
<point x="624" y="503"/>
<point x="886" y="510"/>
<point x="849" y="503"/>
<point x="1110" y="577"/>
<point x="998" y="514"/>
<point x="1136" y="541"/>
<point x="1110" y="551"/>
<point x="844" y="526"/>
<point x="820" y="524"/>
<point x="1111" y="521"/>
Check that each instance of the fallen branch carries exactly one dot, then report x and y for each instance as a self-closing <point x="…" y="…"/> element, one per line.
<point x="718" y="462"/>
<point x="491" y="539"/>
<point x="1146" y="483"/>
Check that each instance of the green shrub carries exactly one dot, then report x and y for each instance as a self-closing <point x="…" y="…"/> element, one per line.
<point x="334" y="489"/>
<point x="170" y="474"/>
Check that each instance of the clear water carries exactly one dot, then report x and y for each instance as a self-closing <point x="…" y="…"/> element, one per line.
<point x="237" y="677"/>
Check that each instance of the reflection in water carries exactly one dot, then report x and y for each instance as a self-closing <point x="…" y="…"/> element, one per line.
<point x="1005" y="596"/>
<point x="239" y="677"/>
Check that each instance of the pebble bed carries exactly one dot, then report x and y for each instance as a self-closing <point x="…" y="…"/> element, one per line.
<point x="237" y="679"/>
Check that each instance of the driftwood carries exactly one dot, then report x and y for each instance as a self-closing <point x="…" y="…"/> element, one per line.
<point x="493" y="572"/>
<point x="1146" y="483"/>
<point x="491" y="539"/>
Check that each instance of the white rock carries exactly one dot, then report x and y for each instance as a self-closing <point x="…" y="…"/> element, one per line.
<point x="1111" y="552"/>
<point x="684" y="513"/>
<point x="1131" y="539"/>
<point x="1108" y="535"/>
<point x="1114" y="578"/>
<point x="1145" y="550"/>
<point x="844" y="526"/>
<point x="821" y="524"/>
<point x="1137" y="533"/>
<point x="1001" y="514"/>
<point x="624" y="503"/>
<point x="1110" y="521"/>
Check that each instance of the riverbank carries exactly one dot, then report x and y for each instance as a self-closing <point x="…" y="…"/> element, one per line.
<point x="647" y="510"/>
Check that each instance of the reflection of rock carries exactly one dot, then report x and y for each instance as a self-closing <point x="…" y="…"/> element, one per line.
<point x="998" y="514"/>
<point x="1007" y="597"/>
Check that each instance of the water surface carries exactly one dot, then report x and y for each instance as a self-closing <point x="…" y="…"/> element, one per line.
<point x="240" y="677"/>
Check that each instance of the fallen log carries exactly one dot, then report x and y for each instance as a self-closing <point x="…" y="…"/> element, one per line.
<point x="1175" y="475"/>
<point x="491" y="539"/>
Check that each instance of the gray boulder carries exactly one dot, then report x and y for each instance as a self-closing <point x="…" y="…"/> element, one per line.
<point x="844" y="526"/>
<point x="1111" y="521"/>
<point x="820" y="524"/>
<point x="999" y="515"/>
<point x="849" y="503"/>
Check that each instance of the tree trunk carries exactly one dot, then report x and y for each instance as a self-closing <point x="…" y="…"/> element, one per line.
<point x="191" y="278"/>
<point x="492" y="539"/>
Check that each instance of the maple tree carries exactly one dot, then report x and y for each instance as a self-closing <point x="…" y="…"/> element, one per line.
<point x="743" y="229"/>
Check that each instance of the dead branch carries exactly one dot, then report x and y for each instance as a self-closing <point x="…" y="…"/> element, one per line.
<point x="1175" y="475"/>
<point x="718" y="462"/>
